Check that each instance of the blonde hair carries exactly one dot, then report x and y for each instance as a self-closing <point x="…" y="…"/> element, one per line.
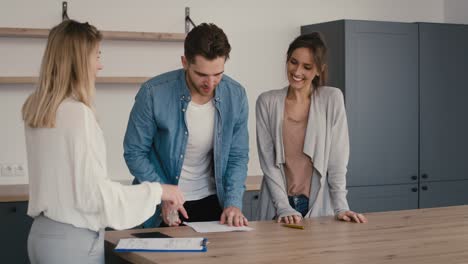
<point x="65" y="72"/>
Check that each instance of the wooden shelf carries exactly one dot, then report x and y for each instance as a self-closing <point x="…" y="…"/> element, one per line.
<point x="24" y="32"/>
<point x="123" y="80"/>
<point x="108" y="80"/>
<point x="148" y="36"/>
<point x="108" y="35"/>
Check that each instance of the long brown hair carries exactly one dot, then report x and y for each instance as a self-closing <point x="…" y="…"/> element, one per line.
<point x="65" y="72"/>
<point x="317" y="46"/>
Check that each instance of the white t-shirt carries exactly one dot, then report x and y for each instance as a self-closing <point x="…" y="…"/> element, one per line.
<point x="68" y="179"/>
<point x="197" y="177"/>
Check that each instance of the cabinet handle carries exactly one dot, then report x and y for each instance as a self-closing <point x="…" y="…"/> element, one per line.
<point x="424" y="176"/>
<point x="414" y="189"/>
<point x="414" y="177"/>
<point x="255" y="197"/>
<point x="424" y="188"/>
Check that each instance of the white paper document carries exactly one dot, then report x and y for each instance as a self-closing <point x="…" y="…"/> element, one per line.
<point x="215" y="226"/>
<point x="189" y="244"/>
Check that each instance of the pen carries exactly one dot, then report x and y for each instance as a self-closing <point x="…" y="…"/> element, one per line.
<point x="293" y="226"/>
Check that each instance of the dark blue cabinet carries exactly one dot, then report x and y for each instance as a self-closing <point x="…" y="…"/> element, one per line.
<point x="14" y="227"/>
<point x="443" y="193"/>
<point x="405" y="97"/>
<point x="250" y="205"/>
<point x="383" y="197"/>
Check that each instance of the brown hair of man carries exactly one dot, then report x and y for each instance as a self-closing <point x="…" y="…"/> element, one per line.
<point x="208" y="41"/>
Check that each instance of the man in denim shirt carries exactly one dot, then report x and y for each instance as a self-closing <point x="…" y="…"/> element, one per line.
<point x="188" y="127"/>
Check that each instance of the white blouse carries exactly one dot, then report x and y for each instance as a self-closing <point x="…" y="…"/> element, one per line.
<point x="68" y="179"/>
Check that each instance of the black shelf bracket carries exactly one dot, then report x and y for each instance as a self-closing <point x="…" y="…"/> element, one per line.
<point x="188" y="21"/>
<point x="64" y="11"/>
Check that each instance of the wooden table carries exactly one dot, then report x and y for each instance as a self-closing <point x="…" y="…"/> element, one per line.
<point x="436" y="235"/>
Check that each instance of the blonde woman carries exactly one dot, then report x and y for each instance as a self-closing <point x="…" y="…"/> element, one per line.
<point x="71" y="198"/>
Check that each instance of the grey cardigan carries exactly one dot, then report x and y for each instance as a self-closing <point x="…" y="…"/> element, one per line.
<point x="326" y="143"/>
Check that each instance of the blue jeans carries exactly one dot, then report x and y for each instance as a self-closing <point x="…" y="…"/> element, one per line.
<point x="299" y="203"/>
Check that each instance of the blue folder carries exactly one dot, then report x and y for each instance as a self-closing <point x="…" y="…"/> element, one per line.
<point x="160" y="245"/>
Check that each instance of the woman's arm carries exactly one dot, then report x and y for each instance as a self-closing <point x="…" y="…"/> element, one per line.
<point x="266" y="151"/>
<point x="338" y="162"/>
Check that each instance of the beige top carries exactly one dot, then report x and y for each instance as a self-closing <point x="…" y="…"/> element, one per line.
<point x="298" y="166"/>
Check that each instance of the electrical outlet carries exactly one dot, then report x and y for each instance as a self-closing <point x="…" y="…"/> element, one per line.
<point x="7" y="170"/>
<point x="18" y="169"/>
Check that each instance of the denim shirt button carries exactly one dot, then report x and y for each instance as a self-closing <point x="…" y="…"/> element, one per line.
<point x="177" y="177"/>
<point x="183" y="109"/>
<point x="186" y="132"/>
<point x="181" y="156"/>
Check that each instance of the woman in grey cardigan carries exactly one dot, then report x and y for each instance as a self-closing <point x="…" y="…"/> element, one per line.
<point x="302" y="139"/>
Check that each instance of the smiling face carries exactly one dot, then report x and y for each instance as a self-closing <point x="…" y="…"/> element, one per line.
<point x="301" y="69"/>
<point x="203" y="76"/>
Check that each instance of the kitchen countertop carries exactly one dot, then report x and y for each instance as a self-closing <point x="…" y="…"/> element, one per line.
<point x="14" y="193"/>
<point x="20" y="192"/>
<point x="253" y="183"/>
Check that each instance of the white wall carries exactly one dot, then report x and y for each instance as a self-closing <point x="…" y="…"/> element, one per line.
<point x="259" y="32"/>
<point x="456" y="11"/>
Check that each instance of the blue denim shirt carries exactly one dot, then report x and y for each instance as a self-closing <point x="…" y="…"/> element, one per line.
<point x="156" y="137"/>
